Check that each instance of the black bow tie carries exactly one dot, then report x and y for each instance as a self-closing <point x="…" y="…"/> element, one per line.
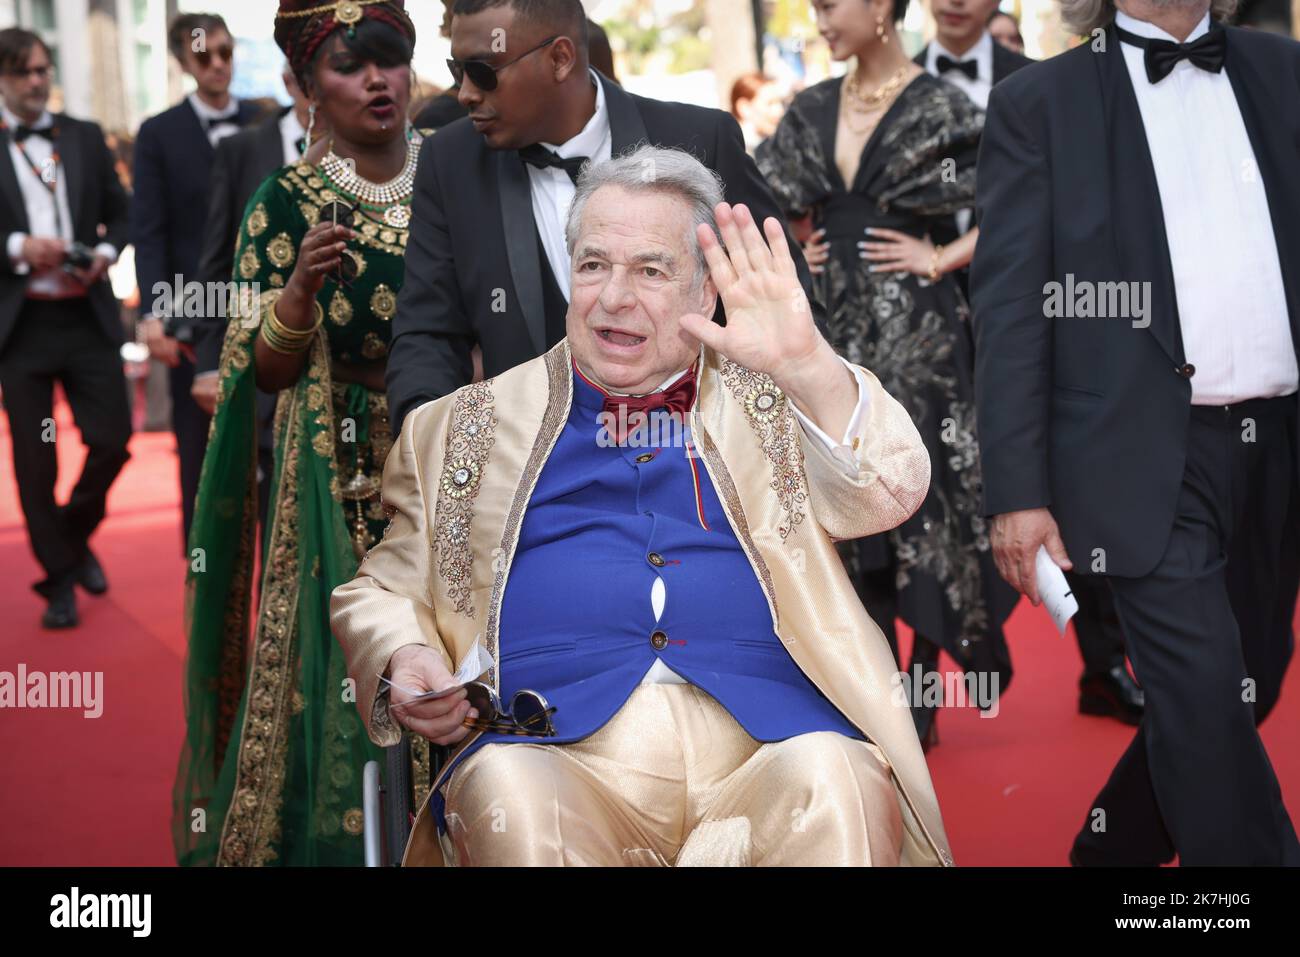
<point x="1207" y="52"/>
<point x="22" y="132"/>
<point x="970" y="67"/>
<point x="539" y="156"/>
<point x="214" y="121"/>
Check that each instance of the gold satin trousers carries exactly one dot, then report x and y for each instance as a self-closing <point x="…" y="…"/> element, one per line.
<point x="673" y="780"/>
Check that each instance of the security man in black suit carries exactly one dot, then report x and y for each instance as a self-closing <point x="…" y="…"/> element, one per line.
<point x="63" y="219"/>
<point x="173" y="165"/>
<point x="480" y="266"/>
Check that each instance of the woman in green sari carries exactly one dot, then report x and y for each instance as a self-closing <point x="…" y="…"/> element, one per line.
<point x="271" y="767"/>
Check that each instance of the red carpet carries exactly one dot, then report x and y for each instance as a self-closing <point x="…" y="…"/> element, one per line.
<point x="1013" y="789"/>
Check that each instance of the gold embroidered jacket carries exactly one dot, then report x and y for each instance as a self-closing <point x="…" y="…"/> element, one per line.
<point x="457" y="483"/>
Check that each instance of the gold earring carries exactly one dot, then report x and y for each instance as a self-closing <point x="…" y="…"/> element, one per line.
<point x="880" y="29"/>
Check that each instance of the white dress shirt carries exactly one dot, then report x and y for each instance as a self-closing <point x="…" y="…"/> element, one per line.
<point x="843" y="453"/>
<point x="42" y="222"/>
<point x="1227" y="277"/>
<point x="291" y="132"/>
<point x="982" y="53"/>
<point x="553" y="191"/>
<point x="221" y="130"/>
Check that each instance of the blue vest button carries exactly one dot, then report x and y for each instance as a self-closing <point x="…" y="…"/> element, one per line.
<point x="656" y="560"/>
<point x="643" y="458"/>
<point x="658" y="640"/>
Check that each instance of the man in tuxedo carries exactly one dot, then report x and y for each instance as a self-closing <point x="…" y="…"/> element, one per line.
<point x="173" y="165"/>
<point x="1149" y="435"/>
<point x="242" y="162"/>
<point x="964" y="54"/>
<point x="486" y="261"/>
<point x="63" y="213"/>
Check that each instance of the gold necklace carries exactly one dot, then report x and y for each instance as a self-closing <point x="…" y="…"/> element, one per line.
<point x="872" y="102"/>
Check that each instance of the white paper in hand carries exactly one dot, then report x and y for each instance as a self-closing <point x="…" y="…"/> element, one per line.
<point x="1054" y="590"/>
<point x="476" y="662"/>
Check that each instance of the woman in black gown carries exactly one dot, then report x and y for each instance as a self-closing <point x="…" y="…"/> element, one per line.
<point x="879" y="158"/>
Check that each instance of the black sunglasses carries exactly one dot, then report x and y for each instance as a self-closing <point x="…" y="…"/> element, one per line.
<point x="484" y="74"/>
<point x="225" y="52"/>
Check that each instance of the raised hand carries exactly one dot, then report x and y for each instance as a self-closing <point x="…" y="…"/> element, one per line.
<point x="769" y="324"/>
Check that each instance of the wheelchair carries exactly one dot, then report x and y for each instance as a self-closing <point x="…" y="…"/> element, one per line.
<point x="388" y="801"/>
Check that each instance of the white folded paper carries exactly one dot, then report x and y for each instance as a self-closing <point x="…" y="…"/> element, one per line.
<point x="1054" y="590"/>
<point x="477" y="661"/>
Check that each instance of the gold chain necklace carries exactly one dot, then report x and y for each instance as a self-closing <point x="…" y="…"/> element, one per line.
<point x="871" y="102"/>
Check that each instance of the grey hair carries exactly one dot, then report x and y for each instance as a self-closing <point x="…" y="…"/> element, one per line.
<point x="1081" y="17"/>
<point x="653" y="169"/>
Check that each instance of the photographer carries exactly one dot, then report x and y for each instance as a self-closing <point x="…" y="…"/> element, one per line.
<point x="58" y="318"/>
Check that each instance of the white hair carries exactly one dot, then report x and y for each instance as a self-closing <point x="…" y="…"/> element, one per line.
<point x="653" y="169"/>
<point x="1081" y="17"/>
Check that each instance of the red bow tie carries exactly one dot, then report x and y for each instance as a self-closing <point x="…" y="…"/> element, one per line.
<point x="677" y="398"/>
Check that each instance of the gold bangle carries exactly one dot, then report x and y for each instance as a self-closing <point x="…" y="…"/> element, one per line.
<point x="934" y="263"/>
<point x="294" y="335"/>
<point x="284" y="340"/>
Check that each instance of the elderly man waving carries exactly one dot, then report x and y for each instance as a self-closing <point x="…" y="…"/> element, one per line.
<point x="676" y="669"/>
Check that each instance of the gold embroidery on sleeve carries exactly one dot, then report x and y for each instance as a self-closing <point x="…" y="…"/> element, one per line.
<point x="469" y="440"/>
<point x="770" y="416"/>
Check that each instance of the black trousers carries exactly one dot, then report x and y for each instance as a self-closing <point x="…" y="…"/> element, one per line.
<point x="190" y="425"/>
<point x="1209" y="635"/>
<point x="1096" y="625"/>
<point x="62" y="340"/>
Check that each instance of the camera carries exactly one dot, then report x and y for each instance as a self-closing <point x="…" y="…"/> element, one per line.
<point x="80" y="256"/>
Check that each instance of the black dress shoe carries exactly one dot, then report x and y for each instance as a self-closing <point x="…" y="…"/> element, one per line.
<point x="62" y="610"/>
<point x="90" y="574"/>
<point x="1112" y="695"/>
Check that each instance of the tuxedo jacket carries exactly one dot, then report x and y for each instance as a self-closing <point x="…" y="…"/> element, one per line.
<point x="99" y="207"/>
<point x="474" y="267"/>
<point x="1090" y="416"/>
<point x="1005" y="61"/>
<point x="242" y="162"/>
<point x="173" y="164"/>
<point x="439" y="575"/>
